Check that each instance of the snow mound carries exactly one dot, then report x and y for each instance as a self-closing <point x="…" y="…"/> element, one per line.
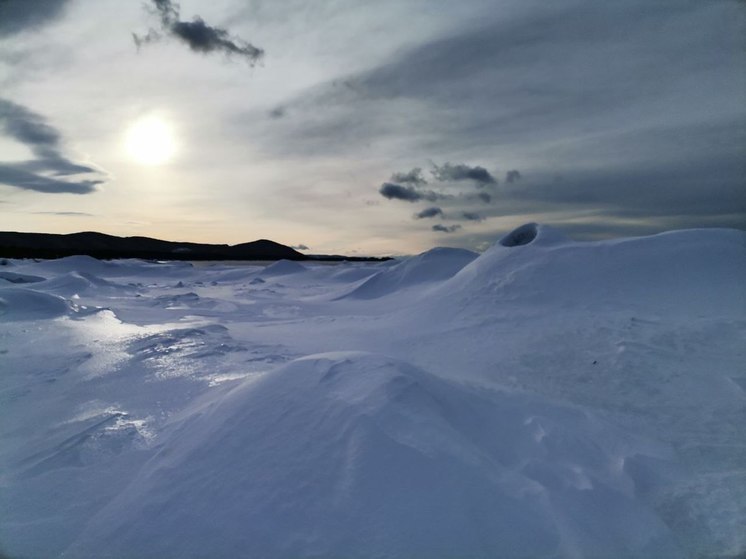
<point x="354" y="454"/>
<point x="13" y="277"/>
<point x="692" y="271"/>
<point x="434" y="265"/>
<point x="282" y="268"/>
<point x="85" y="264"/>
<point x="17" y="303"/>
<point x="81" y="282"/>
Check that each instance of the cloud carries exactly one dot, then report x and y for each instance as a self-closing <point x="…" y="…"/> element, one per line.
<point x="413" y="177"/>
<point x="51" y="171"/>
<point x="471" y="216"/>
<point x="278" y="112"/>
<point x="396" y="189"/>
<point x="512" y="176"/>
<point x="429" y="212"/>
<point x="445" y="228"/>
<point x="70" y="214"/>
<point x="300" y="247"/>
<point x="461" y="172"/>
<point x="197" y="35"/>
<point x="407" y="193"/>
<point x="639" y="108"/>
<point x="20" y="15"/>
<point x="484" y="197"/>
<point x="13" y="176"/>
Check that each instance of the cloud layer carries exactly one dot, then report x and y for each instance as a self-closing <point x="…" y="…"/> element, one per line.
<point x="619" y="115"/>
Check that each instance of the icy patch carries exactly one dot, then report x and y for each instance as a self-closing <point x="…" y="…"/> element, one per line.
<point x="197" y="352"/>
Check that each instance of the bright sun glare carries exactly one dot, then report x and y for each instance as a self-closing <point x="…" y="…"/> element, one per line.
<point x="150" y="141"/>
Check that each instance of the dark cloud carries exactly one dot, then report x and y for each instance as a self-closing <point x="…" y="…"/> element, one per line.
<point x="433" y="211"/>
<point x="197" y="35"/>
<point x="461" y="172"/>
<point x="512" y="176"/>
<point x="447" y="173"/>
<point x="471" y="216"/>
<point x="51" y="171"/>
<point x="407" y="193"/>
<point x="13" y="176"/>
<point x="20" y="15"/>
<point x="300" y="247"/>
<point x="446" y="228"/>
<point x="413" y="177"/>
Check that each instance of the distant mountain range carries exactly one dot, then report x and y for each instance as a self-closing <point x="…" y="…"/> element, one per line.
<point x="100" y="245"/>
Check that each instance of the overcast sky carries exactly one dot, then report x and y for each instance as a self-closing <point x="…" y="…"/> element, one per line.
<point x="365" y="127"/>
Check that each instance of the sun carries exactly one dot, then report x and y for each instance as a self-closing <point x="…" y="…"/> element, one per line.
<point x="150" y="141"/>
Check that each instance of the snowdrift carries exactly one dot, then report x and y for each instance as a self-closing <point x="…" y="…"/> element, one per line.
<point x="72" y="283"/>
<point x="433" y="265"/>
<point x="352" y="454"/>
<point x="27" y="304"/>
<point x="282" y="268"/>
<point x="546" y="398"/>
<point x="699" y="271"/>
<point x="12" y="277"/>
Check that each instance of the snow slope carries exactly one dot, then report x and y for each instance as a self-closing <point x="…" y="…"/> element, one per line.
<point x="433" y="265"/>
<point x="547" y="398"/>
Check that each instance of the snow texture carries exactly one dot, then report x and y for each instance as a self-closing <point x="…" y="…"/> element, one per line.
<point x="546" y="398"/>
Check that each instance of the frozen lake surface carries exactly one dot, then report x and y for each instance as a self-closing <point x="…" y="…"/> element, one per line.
<point x="546" y="398"/>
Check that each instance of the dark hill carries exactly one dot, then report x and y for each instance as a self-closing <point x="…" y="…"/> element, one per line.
<point x="99" y="245"/>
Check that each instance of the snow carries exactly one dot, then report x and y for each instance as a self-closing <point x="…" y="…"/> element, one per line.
<point x="546" y="398"/>
<point x="433" y="265"/>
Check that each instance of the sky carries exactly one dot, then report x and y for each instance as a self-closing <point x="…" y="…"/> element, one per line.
<point x="358" y="127"/>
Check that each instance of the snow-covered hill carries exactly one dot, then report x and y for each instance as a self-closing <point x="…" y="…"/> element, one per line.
<point x="547" y="398"/>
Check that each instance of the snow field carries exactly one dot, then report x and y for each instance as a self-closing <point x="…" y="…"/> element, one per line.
<point x="546" y="398"/>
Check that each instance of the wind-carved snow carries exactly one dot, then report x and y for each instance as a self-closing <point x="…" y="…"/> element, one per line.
<point x="544" y="399"/>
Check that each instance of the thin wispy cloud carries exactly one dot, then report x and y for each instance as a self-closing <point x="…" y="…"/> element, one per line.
<point x="51" y="171"/>
<point x="197" y="34"/>
<point x="66" y="214"/>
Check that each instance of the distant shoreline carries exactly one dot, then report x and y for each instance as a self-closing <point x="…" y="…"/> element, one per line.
<point x="47" y="246"/>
